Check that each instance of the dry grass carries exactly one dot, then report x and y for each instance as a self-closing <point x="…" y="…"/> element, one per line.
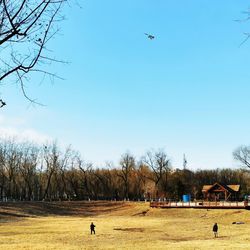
<point x="120" y="226"/>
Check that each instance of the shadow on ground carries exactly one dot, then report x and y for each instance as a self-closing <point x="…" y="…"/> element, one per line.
<point x="64" y="208"/>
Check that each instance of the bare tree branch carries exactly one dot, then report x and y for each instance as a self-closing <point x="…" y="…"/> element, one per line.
<point x="26" y="27"/>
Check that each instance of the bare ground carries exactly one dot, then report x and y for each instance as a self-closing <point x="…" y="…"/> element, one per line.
<point x="120" y="225"/>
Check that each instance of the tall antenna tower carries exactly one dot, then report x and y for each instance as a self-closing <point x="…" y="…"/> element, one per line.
<point x="184" y="162"/>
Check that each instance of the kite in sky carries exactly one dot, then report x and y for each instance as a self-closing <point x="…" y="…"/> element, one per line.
<point x="151" y="37"/>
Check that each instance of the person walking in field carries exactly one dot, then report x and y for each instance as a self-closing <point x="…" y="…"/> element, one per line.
<point x="215" y="230"/>
<point x="92" y="228"/>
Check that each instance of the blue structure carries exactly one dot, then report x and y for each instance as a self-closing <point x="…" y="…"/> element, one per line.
<point x="186" y="197"/>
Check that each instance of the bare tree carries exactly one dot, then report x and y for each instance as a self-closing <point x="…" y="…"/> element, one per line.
<point x="104" y="177"/>
<point x="60" y="174"/>
<point x="28" y="171"/>
<point x="12" y="162"/>
<point x="159" y="163"/>
<point x="27" y="167"/>
<point x="26" y="26"/>
<point x="242" y="154"/>
<point x="127" y="163"/>
<point x="86" y="171"/>
<point x="3" y="172"/>
<point x="72" y="175"/>
<point x="246" y="18"/>
<point x="51" y="157"/>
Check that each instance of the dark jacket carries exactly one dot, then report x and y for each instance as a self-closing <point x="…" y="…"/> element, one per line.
<point x="215" y="228"/>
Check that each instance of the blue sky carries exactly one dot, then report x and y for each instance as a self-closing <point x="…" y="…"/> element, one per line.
<point x="186" y="91"/>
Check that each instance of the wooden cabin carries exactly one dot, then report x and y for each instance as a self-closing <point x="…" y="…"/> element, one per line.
<point x="218" y="191"/>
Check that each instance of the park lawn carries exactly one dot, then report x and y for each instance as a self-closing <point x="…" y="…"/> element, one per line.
<point x="125" y="227"/>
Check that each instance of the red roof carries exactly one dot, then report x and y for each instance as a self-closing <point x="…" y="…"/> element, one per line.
<point x="230" y="188"/>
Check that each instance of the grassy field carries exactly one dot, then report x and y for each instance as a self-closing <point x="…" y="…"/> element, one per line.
<point x="119" y="225"/>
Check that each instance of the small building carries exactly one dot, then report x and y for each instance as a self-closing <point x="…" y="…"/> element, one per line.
<point x="218" y="191"/>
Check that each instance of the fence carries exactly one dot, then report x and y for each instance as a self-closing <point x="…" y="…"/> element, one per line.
<point x="200" y="204"/>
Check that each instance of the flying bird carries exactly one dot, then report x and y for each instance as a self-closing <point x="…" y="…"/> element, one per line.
<point x="151" y="37"/>
<point x="2" y="103"/>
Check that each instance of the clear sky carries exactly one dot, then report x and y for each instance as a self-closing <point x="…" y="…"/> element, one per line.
<point x="186" y="91"/>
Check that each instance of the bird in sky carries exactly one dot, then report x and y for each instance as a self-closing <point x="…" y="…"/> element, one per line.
<point x="151" y="37"/>
<point x="2" y="103"/>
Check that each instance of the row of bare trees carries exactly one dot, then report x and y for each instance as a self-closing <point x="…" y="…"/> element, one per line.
<point x="35" y="172"/>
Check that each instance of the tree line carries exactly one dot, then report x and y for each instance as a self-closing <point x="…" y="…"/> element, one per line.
<point x="45" y="172"/>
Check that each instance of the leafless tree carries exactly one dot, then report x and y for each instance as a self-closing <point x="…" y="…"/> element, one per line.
<point x="60" y="174"/>
<point x="127" y="163"/>
<point x="3" y="173"/>
<point x="104" y="177"/>
<point x="26" y="26"/>
<point x="86" y="171"/>
<point x="242" y="154"/>
<point x="33" y="172"/>
<point x="246" y="18"/>
<point x="72" y="176"/>
<point x="11" y="165"/>
<point x="51" y="157"/>
<point x="141" y="175"/>
<point x="159" y="163"/>
<point x="27" y="167"/>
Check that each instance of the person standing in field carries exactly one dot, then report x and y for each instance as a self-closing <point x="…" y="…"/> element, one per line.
<point x="92" y="228"/>
<point x="215" y="230"/>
